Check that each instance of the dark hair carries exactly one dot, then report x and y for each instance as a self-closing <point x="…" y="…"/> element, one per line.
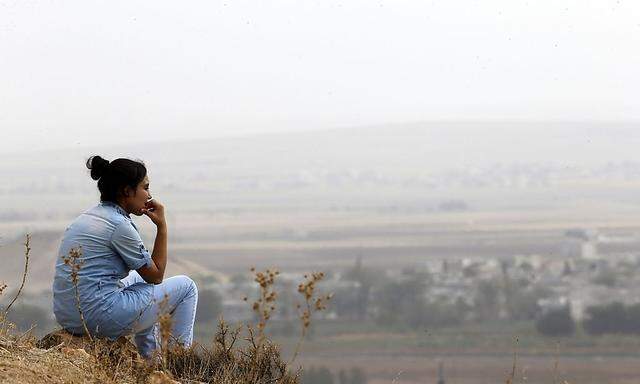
<point x="114" y="176"/>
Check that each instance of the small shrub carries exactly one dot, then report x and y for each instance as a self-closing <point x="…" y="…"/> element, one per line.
<point x="556" y="322"/>
<point x="612" y="318"/>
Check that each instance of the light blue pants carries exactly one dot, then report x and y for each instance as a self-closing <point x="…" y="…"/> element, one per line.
<point x="181" y="302"/>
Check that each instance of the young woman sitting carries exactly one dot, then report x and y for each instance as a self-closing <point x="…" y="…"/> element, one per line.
<point x="115" y="287"/>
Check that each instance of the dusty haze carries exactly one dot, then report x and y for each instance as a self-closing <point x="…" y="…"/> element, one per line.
<point x="91" y="73"/>
<point x="460" y="169"/>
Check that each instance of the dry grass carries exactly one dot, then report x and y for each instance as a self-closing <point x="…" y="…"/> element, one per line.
<point x="78" y="360"/>
<point x="227" y="363"/>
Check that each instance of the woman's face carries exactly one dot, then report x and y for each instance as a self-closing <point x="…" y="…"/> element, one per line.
<point x="135" y="201"/>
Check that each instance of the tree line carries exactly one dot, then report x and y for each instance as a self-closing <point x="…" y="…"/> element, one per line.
<point x="611" y="318"/>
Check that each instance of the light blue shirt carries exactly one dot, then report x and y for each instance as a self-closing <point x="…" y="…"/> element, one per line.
<point x="110" y="246"/>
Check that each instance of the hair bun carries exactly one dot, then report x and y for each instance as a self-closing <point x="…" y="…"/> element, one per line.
<point x="98" y="166"/>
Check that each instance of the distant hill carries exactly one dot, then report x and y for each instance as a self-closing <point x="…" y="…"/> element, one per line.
<point x="418" y="158"/>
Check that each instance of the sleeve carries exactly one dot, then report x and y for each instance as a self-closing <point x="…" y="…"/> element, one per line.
<point x="127" y="243"/>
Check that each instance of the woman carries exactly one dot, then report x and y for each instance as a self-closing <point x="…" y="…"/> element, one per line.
<point x="120" y="286"/>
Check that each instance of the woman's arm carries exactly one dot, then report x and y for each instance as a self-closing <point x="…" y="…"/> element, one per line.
<point x="154" y="273"/>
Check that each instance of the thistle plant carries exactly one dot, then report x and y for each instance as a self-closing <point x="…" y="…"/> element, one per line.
<point x="74" y="261"/>
<point x="24" y="274"/>
<point x="313" y="302"/>
<point x="264" y="306"/>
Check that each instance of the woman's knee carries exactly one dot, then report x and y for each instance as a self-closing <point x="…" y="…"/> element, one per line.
<point x="187" y="283"/>
<point x="177" y="288"/>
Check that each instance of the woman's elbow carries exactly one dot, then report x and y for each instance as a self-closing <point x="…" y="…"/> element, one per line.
<point x="156" y="279"/>
<point x="151" y="275"/>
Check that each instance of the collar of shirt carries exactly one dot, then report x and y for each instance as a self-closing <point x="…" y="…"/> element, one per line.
<point x="115" y="206"/>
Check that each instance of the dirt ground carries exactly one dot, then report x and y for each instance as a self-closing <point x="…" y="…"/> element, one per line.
<point x="34" y="366"/>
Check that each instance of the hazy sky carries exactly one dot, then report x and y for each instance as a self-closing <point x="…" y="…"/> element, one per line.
<point x="84" y="72"/>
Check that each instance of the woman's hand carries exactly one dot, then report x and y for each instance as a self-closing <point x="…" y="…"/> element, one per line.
<point x="155" y="211"/>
